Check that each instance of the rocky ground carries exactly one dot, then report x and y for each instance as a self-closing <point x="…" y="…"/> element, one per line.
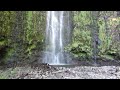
<point x="78" y="72"/>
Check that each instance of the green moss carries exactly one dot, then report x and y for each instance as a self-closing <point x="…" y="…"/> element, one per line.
<point x="2" y="43"/>
<point x="109" y="57"/>
<point x="8" y="54"/>
<point x="30" y="48"/>
<point x="109" y="45"/>
<point x="6" y="74"/>
<point x="31" y="33"/>
<point x="81" y="42"/>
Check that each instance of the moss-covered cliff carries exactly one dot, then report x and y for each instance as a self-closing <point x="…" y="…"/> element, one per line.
<point x="94" y="34"/>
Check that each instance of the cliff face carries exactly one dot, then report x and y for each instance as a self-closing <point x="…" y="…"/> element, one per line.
<point x="96" y="33"/>
<point x="23" y="33"/>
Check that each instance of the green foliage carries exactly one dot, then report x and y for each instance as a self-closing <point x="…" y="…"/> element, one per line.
<point x="5" y="74"/>
<point x="81" y="43"/>
<point x="108" y="26"/>
<point x="30" y="48"/>
<point x="109" y="46"/>
<point x="82" y="18"/>
<point x="34" y="34"/>
<point x="6" y="25"/>
<point x="2" y="43"/>
<point x="28" y="34"/>
<point x="109" y="57"/>
<point x="22" y="32"/>
<point x="103" y="37"/>
<point x="6" y="21"/>
<point x="9" y="53"/>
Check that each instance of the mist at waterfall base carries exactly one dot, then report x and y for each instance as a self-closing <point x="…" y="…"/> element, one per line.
<point x="57" y="37"/>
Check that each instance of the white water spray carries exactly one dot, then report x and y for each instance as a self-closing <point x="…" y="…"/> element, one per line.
<point x="55" y="37"/>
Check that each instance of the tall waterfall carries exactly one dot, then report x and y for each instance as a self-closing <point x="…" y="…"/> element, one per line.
<point x="57" y="36"/>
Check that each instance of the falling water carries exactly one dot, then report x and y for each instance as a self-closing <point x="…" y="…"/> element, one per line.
<point x="57" y="36"/>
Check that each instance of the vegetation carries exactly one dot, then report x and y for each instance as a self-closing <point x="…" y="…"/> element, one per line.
<point x="21" y="32"/>
<point x="95" y="34"/>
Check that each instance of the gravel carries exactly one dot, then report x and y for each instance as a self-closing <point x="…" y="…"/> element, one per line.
<point x="78" y="72"/>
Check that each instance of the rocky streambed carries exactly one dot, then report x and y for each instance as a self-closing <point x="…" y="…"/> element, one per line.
<point x="72" y="72"/>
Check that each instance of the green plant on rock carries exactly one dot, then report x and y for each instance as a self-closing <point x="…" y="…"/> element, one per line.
<point x="6" y="26"/>
<point x="34" y="33"/>
<point x="107" y="34"/>
<point x="81" y="41"/>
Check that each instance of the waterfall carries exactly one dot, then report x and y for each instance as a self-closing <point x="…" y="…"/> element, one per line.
<point x="57" y="26"/>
